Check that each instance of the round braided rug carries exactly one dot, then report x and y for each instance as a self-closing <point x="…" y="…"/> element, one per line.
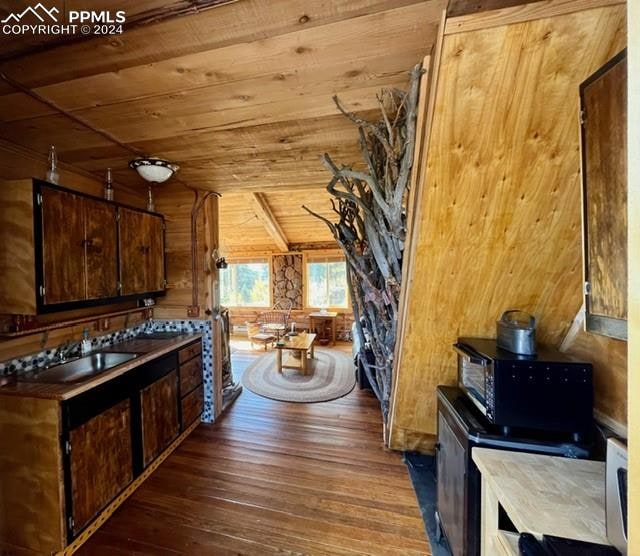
<point x="329" y="376"/>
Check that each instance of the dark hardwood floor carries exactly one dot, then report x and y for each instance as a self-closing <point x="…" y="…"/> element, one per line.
<point x="274" y="478"/>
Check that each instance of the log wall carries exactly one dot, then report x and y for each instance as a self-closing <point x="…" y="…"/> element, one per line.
<point x="499" y="224"/>
<point x="240" y="316"/>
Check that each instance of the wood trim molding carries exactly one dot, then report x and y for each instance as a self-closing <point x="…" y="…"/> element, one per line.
<point x="426" y="108"/>
<point x="522" y="13"/>
<point x="619" y="428"/>
<point x="266" y="216"/>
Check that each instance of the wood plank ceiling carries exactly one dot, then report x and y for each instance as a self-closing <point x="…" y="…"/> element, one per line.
<point x="238" y="94"/>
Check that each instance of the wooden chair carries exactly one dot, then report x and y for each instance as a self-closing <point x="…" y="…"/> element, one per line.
<point x="284" y="305"/>
<point x="256" y="335"/>
<point x="276" y="320"/>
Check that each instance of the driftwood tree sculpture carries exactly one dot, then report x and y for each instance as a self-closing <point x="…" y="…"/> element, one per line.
<point x="371" y="225"/>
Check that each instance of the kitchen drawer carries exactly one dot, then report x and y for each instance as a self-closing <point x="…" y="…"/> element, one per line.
<point x="190" y="375"/>
<point x="190" y="351"/>
<point x="192" y="406"/>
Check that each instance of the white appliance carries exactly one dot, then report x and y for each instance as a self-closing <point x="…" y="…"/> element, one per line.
<point x="616" y="494"/>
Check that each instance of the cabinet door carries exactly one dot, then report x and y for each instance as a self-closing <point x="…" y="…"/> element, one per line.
<point x="101" y="248"/>
<point x="141" y="252"/>
<point x="100" y="462"/>
<point x="132" y="247"/>
<point x="451" y="487"/>
<point x="192" y="406"/>
<point x="63" y="264"/>
<point x="154" y="264"/>
<point x="159" y="408"/>
<point x="604" y="174"/>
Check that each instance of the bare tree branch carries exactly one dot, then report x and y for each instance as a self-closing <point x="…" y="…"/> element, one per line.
<point x="370" y="227"/>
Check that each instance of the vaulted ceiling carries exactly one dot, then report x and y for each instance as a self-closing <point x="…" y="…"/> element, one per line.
<point x="237" y="93"/>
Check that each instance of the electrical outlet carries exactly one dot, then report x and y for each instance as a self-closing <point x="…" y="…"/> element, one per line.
<point x="193" y="311"/>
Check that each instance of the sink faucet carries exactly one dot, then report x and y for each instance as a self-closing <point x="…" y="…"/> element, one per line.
<point x="65" y="350"/>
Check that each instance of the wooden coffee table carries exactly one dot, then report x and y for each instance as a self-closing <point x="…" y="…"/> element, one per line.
<point x="302" y="343"/>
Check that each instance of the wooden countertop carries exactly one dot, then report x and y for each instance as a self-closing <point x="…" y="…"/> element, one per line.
<point x="547" y="495"/>
<point x="146" y="349"/>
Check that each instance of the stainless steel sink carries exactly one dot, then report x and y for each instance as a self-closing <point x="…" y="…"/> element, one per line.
<point x="80" y="369"/>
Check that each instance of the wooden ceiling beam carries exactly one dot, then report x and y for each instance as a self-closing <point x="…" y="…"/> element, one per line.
<point x="185" y="35"/>
<point x="265" y="214"/>
<point x="308" y="58"/>
<point x="137" y="16"/>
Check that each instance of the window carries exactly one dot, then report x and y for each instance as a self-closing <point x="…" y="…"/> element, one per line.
<point x="245" y="284"/>
<point x="327" y="282"/>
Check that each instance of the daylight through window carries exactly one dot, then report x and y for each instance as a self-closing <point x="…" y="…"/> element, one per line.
<point x="327" y="283"/>
<point x="245" y="284"/>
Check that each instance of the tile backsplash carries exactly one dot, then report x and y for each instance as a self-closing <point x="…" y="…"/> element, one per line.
<point x="42" y="358"/>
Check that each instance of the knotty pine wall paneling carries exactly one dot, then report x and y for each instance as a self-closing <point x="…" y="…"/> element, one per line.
<point x="20" y="163"/>
<point x="176" y="202"/>
<point x="500" y="226"/>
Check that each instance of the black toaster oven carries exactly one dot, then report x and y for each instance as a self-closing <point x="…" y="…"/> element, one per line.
<point x="547" y="391"/>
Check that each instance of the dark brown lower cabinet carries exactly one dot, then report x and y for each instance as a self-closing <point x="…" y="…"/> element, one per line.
<point x="451" y="486"/>
<point x="159" y="413"/>
<point x="83" y="452"/>
<point x="192" y="406"/>
<point x="191" y="388"/>
<point x="100" y="461"/>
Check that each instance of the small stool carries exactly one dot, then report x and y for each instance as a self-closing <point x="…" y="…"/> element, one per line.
<point x="263" y="338"/>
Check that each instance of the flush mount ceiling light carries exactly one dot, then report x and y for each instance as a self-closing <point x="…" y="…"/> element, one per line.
<point x="153" y="170"/>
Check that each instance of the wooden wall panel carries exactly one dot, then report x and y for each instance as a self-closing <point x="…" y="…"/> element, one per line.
<point x="176" y="203"/>
<point x="17" y="163"/>
<point x="33" y="495"/>
<point x="609" y="358"/>
<point x="240" y="316"/>
<point x="633" y="159"/>
<point x="30" y="343"/>
<point x="17" y="253"/>
<point x="500" y="225"/>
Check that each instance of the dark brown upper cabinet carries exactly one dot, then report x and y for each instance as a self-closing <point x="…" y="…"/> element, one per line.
<point x="603" y="99"/>
<point x="101" y="248"/>
<point x="61" y="249"/>
<point x="79" y="247"/>
<point x="141" y="252"/>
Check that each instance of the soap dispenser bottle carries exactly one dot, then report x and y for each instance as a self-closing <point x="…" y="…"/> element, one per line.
<point x="85" y="346"/>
